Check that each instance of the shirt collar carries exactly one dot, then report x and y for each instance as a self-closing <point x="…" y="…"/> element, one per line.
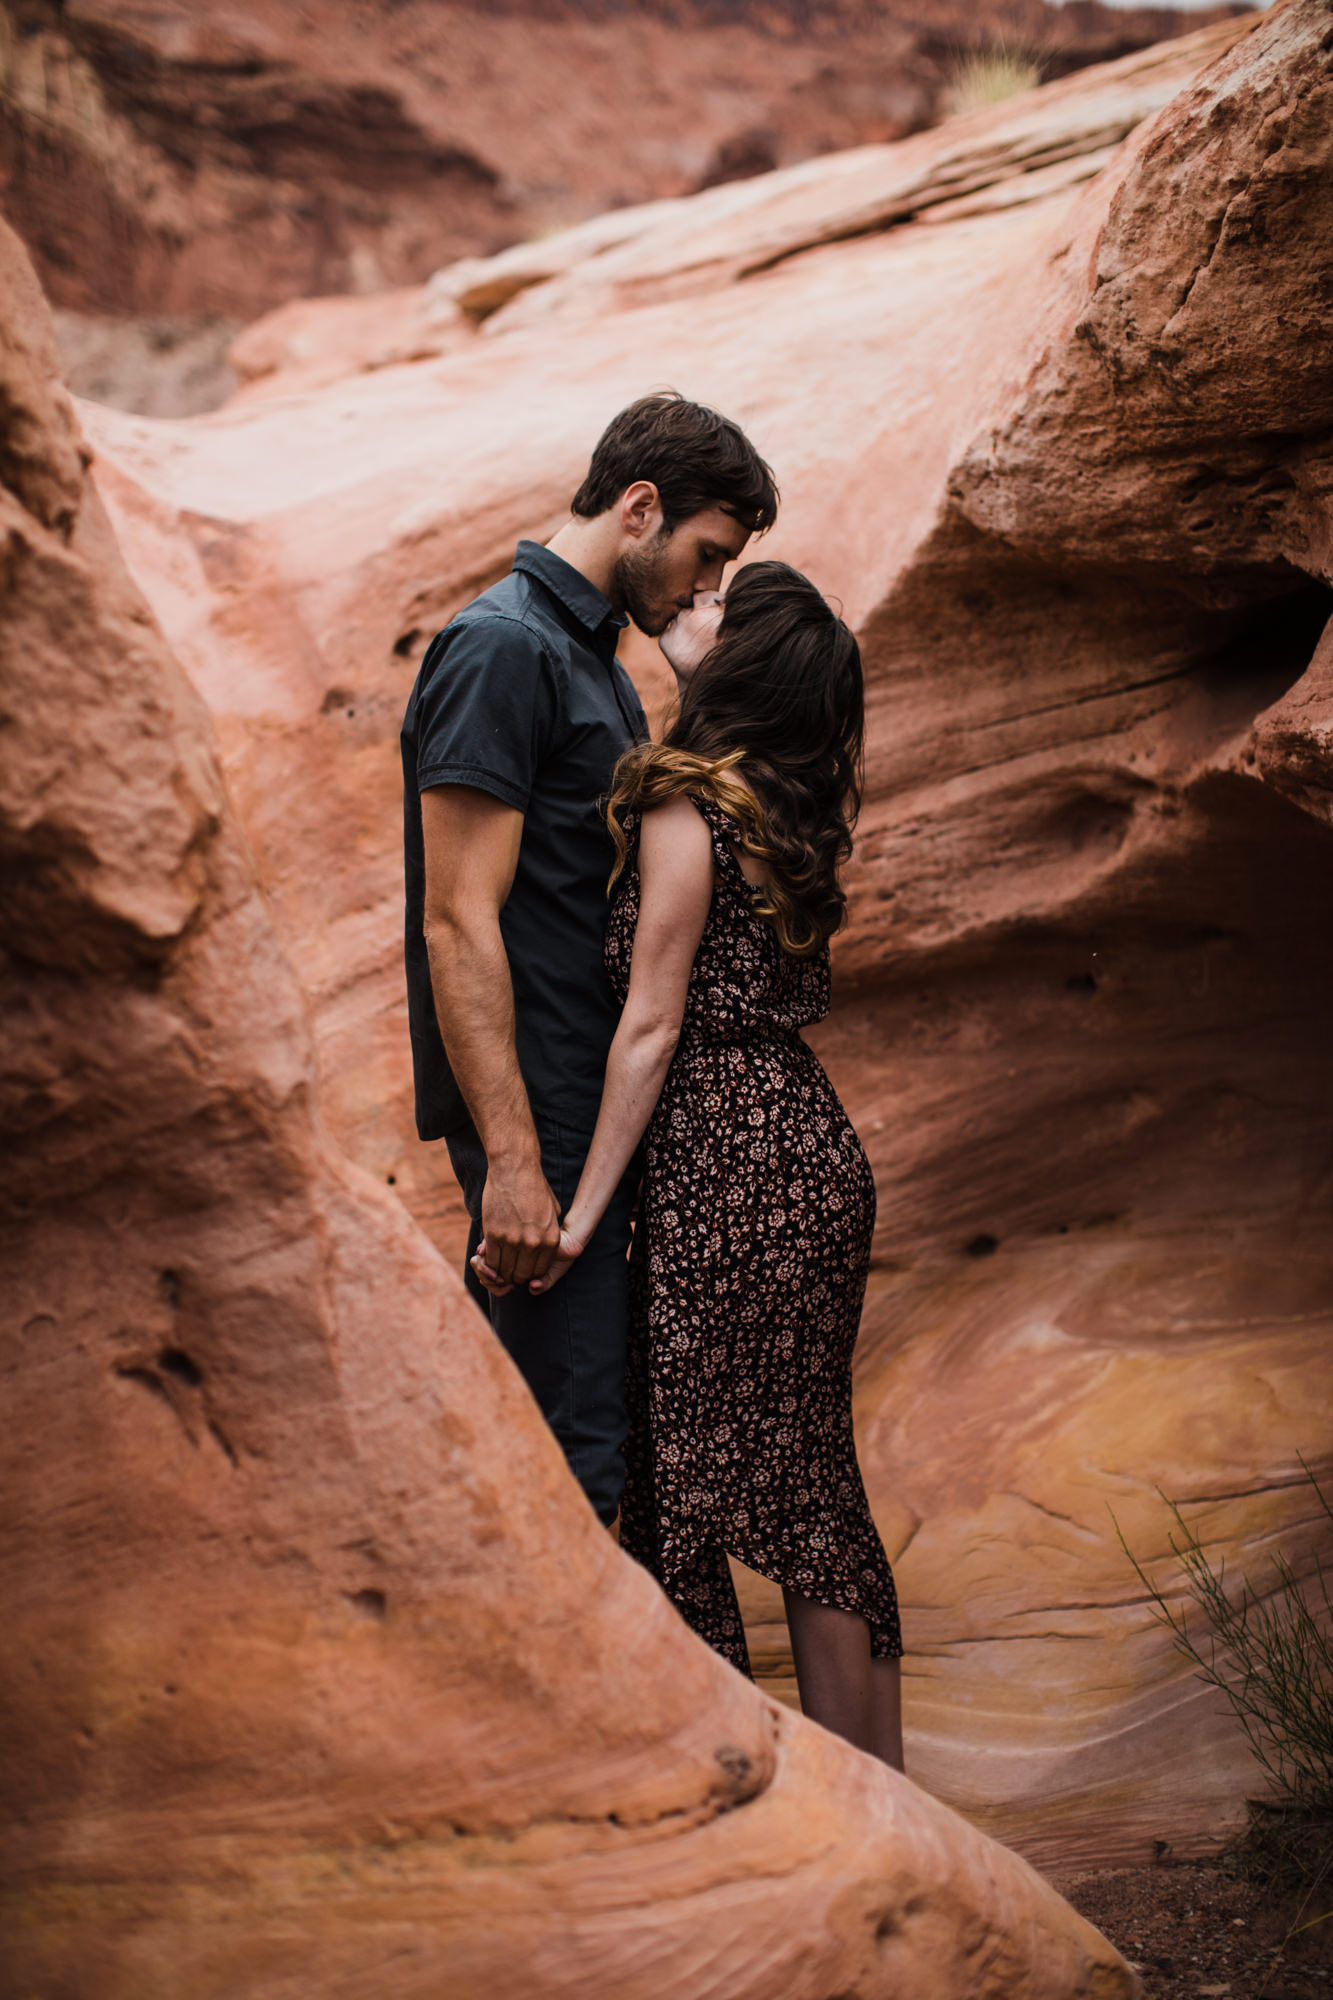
<point x="583" y="599"/>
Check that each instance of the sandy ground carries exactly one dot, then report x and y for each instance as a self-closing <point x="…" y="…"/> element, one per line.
<point x="1195" y="1930"/>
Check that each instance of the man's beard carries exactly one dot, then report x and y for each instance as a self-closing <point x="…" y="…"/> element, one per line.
<point x="639" y="580"/>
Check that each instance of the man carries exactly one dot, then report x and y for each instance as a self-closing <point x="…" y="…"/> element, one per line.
<point x="515" y="724"/>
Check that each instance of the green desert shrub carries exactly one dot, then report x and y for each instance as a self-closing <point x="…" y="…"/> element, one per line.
<point x="1272" y="1658"/>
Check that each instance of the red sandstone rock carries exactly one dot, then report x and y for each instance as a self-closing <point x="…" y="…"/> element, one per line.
<point x="161" y="157"/>
<point x="1027" y="150"/>
<point x="318" y="1673"/>
<point x="1064" y="460"/>
<point x="1293" y="740"/>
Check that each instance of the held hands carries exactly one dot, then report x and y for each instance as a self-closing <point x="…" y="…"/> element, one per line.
<point x="490" y="1280"/>
<point x="570" y="1249"/>
<point x="520" y="1223"/>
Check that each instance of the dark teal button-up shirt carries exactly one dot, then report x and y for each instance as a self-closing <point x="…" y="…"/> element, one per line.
<point x="522" y="696"/>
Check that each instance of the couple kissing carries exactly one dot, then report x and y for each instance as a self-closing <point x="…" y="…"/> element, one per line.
<point x="671" y="1215"/>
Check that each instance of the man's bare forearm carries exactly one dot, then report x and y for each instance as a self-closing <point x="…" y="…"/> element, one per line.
<point x="472" y="846"/>
<point x="474" y="1004"/>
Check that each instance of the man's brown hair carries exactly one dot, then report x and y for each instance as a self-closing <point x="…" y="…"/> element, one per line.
<point x="695" y="458"/>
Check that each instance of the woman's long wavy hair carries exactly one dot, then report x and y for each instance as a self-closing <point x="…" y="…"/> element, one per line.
<point x="779" y="702"/>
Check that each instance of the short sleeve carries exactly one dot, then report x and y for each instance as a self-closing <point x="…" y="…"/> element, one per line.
<point x="726" y="838"/>
<point x="487" y="709"/>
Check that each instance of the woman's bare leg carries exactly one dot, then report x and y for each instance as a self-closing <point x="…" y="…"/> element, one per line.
<point x="831" y="1649"/>
<point x="887" y="1711"/>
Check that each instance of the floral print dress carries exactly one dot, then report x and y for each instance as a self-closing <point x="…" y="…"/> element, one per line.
<point x="748" y="1274"/>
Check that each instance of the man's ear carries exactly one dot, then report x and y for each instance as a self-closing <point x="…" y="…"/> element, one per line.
<point x="640" y="510"/>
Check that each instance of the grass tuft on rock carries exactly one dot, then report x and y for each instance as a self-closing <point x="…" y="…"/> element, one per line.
<point x="989" y="75"/>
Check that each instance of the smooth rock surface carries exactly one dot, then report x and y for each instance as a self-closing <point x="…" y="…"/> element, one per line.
<point x="1065" y="462"/>
<point x="318" y="1674"/>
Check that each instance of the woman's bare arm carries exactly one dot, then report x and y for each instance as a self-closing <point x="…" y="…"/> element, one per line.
<point x="675" y="891"/>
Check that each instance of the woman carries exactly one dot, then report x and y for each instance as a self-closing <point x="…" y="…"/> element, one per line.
<point x="750" y="1256"/>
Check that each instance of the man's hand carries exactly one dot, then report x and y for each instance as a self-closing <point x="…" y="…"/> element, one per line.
<point x="569" y="1252"/>
<point x="520" y="1222"/>
<point x="489" y="1279"/>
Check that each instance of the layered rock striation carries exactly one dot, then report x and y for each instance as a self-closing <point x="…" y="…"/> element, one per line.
<point x="1047" y="391"/>
<point x="318" y="1674"/>
<point x="165" y="159"/>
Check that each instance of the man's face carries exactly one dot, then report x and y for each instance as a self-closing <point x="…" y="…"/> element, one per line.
<point x="663" y="575"/>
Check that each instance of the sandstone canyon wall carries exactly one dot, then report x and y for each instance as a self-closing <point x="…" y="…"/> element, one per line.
<point x="1048" y="393"/>
<point x="163" y="158"/>
<point x="318" y="1675"/>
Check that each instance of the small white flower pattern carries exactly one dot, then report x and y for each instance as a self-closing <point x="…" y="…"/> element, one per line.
<point x="747" y="1278"/>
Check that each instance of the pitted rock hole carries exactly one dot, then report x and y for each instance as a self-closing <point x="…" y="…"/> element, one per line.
<point x="367" y="1603"/>
<point x="736" y="1763"/>
<point x="147" y="1378"/>
<point x="174" y="1361"/>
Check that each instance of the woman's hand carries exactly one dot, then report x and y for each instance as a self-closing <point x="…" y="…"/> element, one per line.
<point x="492" y="1282"/>
<point x="570" y="1249"/>
<point x="489" y="1280"/>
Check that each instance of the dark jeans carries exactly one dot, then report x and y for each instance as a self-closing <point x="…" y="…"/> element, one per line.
<point x="569" y="1343"/>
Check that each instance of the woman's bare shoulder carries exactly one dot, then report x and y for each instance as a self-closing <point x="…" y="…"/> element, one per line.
<point x="675" y="870"/>
<point x="678" y="812"/>
<point x="677" y="829"/>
